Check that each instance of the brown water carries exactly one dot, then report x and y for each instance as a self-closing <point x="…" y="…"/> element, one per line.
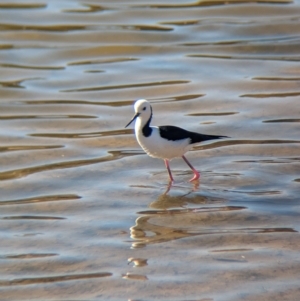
<point x="84" y="213"/>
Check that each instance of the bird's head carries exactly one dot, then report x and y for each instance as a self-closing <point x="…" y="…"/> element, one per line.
<point x="143" y="110"/>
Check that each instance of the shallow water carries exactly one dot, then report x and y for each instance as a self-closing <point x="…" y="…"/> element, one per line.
<point x="85" y="214"/>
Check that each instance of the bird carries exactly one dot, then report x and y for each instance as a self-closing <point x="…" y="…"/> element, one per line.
<point x="165" y="142"/>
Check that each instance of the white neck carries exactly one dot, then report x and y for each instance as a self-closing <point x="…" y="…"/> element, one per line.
<point x="139" y="124"/>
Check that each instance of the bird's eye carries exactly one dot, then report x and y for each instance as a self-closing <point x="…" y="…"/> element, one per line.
<point x="144" y="108"/>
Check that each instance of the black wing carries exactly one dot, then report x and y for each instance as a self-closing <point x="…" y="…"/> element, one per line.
<point x="174" y="133"/>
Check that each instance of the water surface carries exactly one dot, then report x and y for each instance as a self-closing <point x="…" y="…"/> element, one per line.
<point x="85" y="214"/>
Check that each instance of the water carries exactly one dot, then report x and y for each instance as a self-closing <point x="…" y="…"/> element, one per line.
<point x="85" y="214"/>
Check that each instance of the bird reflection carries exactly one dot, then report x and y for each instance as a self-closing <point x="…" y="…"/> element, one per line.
<point x="147" y="230"/>
<point x="163" y="225"/>
<point x="140" y="232"/>
<point x="196" y="185"/>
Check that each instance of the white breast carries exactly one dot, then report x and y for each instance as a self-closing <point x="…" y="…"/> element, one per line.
<point x="158" y="147"/>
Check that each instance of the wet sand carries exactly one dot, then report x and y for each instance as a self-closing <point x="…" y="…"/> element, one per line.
<point x="85" y="214"/>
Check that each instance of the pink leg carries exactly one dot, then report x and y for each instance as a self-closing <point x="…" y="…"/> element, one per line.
<point x="169" y="170"/>
<point x="196" y="173"/>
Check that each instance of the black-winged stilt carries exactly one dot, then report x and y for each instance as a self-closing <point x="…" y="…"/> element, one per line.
<point x="164" y="142"/>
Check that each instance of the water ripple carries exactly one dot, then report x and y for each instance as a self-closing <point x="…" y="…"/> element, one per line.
<point x="242" y="42"/>
<point x="102" y="61"/>
<point x="23" y="172"/>
<point x="81" y="102"/>
<point x="270" y="161"/>
<point x="6" y="46"/>
<point x="41" y="116"/>
<point x="16" y="83"/>
<point x="88" y="8"/>
<point x="38" y="280"/>
<point x="245" y="57"/>
<point x="282" y="120"/>
<point x="212" y="3"/>
<point x="59" y="28"/>
<point x="231" y="250"/>
<point x="213" y="114"/>
<point x="83" y="135"/>
<point x="41" y="199"/>
<point x="181" y="23"/>
<point x="188" y="210"/>
<point x="242" y="142"/>
<point x="147" y="27"/>
<point x="145" y="232"/>
<point x="141" y="85"/>
<point x="180" y="97"/>
<point x="34" y="217"/>
<point x="132" y="276"/>
<point x="4" y="65"/>
<point x="114" y="103"/>
<point x="29" y="256"/>
<point x="11" y="148"/>
<point x="22" y="5"/>
<point x="259" y="193"/>
<point x="282" y="78"/>
<point x="269" y="95"/>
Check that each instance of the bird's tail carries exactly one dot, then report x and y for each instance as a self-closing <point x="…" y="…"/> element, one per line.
<point x="196" y="138"/>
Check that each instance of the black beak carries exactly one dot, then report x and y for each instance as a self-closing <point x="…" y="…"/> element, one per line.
<point x="133" y="118"/>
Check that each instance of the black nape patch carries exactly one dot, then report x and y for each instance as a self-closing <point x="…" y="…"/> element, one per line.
<point x="147" y="130"/>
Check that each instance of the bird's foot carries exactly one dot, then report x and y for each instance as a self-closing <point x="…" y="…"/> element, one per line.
<point x="195" y="177"/>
